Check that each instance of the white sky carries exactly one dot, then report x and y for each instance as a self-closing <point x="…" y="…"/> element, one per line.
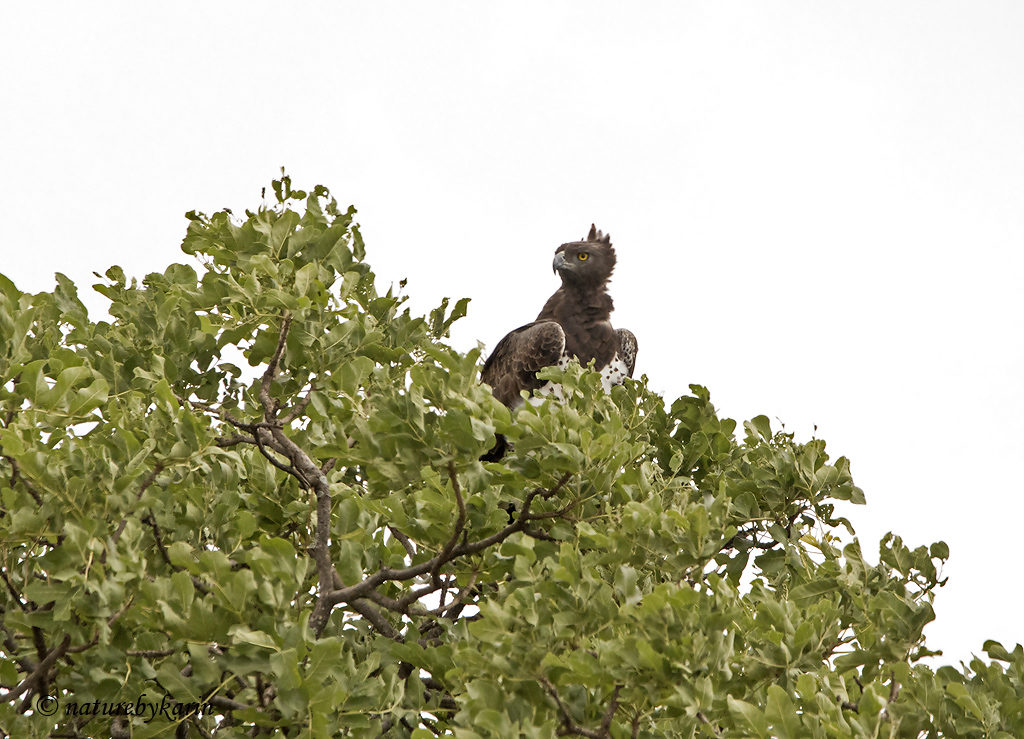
<point x="817" y="205"/>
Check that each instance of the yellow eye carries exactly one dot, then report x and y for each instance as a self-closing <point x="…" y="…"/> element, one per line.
<point x="583" y="256"/>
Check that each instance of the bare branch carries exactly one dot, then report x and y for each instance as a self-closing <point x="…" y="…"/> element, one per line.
<point x="405" y="604"/>
<point x="538" y="534"/>
<point x="10" y="588"/>
<point x="376" y="619"/>
<point x="704" y="720"/>
<point x="12" y="648"/>
<point x="227" y="704"/>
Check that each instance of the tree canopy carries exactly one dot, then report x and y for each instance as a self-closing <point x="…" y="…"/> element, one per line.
<point x="253" y="496"/>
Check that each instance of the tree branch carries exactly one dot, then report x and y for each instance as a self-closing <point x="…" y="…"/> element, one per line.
<point x="460" y="599"/>
<point x="16" y="475"/>
<point x="39" y="674"/>
<point x="289" y="469"/>
<point x="110" y="622"/>
<point x="704" y="720"/>
<point x="150" y="519"/>
<point x="385" y="574"/>
<point x="613" y="706"/>
<point x="150" y="653"/>
<point x="270" y="406"/>
<point x="299" y="407"/>
<point x="406" y="542"/>
<point x="569" y="725"/>
<point x="460" y="522"/>
<point x="150" y="479"/>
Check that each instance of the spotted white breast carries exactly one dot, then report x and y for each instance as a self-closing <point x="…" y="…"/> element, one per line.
<point x="612" y="374"/>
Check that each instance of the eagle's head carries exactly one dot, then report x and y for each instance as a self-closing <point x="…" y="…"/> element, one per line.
<point x="587" y="263"/>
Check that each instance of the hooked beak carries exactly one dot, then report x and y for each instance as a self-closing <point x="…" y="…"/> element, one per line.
<point x="559" y="262"/>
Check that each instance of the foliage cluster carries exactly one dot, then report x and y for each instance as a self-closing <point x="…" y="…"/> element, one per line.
<point x="310" y="546"/>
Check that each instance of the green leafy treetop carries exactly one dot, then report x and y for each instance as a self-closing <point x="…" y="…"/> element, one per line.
<point x="312" y="548"/>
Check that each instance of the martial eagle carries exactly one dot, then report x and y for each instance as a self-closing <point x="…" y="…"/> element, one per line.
<point x="574" y="323"/>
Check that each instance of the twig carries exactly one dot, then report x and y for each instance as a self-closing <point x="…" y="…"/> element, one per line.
<point x="704" y="720"/>
<point x="10" y="587"/>
<point x="460" y="522"/>
<point x="406" y="542"/>
<point x="569" y="726"/>
<point x="16" y="475"/>
<point x="299" y="407"/>
<point x="150" y="479"/>
<point x="894" y="691"/>
<point x="226" y="441"/>
<point x="150" y="519"/>
<point x="270" y="406"/>
<point x="96" y="635"/>
<point x="613" y="706"/>
<point x="460" y="599"/>
<point x="150" y="653"/>
<point x="385" y="574"/>
<point x="290" y="469"/>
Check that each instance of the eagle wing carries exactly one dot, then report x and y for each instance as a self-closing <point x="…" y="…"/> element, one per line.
<point x="627" y="349"/>
<point x="512" y="366"/>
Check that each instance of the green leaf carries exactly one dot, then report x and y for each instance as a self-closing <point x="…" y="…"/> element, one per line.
<point x="749" y="716"/>
<point x="241" y="633"/>
<point x="940" y="550"/>
<point x="89" y="398"/>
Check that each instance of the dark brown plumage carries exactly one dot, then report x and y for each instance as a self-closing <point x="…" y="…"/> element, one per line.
<point x="574" y="323"/>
